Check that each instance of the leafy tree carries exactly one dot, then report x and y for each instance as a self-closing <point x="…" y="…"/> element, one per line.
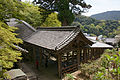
<point x="31" y="14"/>
<point x="52" y="21"/>
<point x="8" y="54"/>
<point x="20" y="10"/>
<point x="10" y="9"/>
<point x="65" y="8"/>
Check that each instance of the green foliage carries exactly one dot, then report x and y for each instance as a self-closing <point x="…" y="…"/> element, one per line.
<point x="105" y="68"/>
<point x="9" y="9"/>
<point x="52" y="21"/>
<point x="20" y="10"/>
<point x="31" y="14"/>
<point x="70" y="77"/>
<point x="92" y="26"/>
<point x="8" y="54"/>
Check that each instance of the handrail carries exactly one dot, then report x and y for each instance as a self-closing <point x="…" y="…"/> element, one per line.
<point x="70" y="66"/>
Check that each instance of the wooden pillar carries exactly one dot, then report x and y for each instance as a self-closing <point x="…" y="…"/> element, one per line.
<point x="67" y="57"/>
<point x="40" y="50"/>
<point x="34" y="55"/>
<point x="91" y="53"/>
<point x="84" y="54"/>
<point x="72" y="57"/>
<point x="99" y="52"/>
<point x="59" y="65"/>
<point x="88" y="52"/>
<point x="78" y="56"/>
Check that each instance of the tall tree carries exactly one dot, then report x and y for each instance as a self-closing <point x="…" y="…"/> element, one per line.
<point x="65" y="8"/>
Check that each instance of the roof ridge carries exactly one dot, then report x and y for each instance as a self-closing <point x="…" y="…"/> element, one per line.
<point x="77" y="29"/>
<point x="65" y="28"/>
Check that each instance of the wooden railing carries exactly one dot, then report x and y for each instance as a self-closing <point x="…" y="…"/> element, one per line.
<point x="70" y="69"/>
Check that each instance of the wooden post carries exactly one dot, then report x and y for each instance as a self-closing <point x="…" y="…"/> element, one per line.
<point x="40" y="49"/>
<point x="34" y="55"/>
<point x="72" y="57"/>
<point x="78" y="57"/>
<point x="84" y="54"/>
<point x="59" y="65"/>
<point x="91" y="53"/>
<point x="88" y="52"/>
<point x="68" y="57"/>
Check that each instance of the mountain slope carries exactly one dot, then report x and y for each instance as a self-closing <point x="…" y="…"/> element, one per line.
<point x="107" y="28"/>
<point x="109" y="15"/>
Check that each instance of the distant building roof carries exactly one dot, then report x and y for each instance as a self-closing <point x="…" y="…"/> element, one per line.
<point x="101" y="45"/>
<point x="98" y="44"/>
<point x="55" y="37"/>
<point x="110" y="40"/>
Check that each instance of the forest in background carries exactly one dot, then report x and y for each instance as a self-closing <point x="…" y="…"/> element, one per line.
<point x="109" y="15"/>
<point x="107" y="28"/>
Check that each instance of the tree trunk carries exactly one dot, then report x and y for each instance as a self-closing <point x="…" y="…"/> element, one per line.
<point x="65" y="23"/>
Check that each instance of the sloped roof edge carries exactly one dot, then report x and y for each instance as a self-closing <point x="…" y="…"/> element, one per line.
<point x="68" y="38"/>
<point x="28" y="25"/>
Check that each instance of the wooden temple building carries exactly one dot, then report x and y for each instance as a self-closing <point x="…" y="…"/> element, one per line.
<point x="68" y="45"/>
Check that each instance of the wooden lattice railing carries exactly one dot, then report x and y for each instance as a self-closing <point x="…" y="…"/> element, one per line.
<point x="70" y="69"/>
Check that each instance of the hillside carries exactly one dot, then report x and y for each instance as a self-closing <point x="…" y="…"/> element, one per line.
<point x="109" y="15"/>
<point x="107" y="28"/>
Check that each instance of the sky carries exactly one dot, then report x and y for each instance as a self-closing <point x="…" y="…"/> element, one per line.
<point x="99" y="6"/>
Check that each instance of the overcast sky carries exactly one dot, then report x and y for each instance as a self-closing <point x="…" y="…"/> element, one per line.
<point x="99" y="6"/>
